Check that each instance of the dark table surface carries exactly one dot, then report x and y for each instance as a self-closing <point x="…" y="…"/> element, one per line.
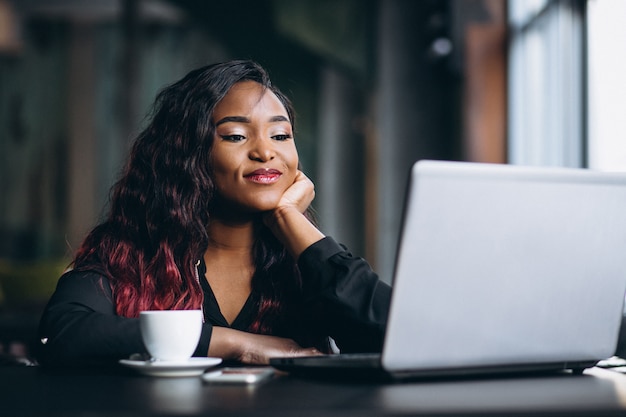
<point x="33" y="391"/>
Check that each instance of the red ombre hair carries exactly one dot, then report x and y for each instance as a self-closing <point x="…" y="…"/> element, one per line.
<point x="156" y="230"/>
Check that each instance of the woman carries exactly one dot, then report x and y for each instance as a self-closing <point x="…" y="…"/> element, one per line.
<point x="212" y="212"/>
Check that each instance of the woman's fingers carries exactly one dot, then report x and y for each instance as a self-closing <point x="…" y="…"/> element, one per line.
<point x="300" y="194"/>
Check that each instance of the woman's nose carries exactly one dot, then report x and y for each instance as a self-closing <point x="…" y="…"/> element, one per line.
<point x="262" y="150"/>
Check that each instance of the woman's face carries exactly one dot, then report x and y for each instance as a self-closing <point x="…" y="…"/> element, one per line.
<point x="254" y="155"/>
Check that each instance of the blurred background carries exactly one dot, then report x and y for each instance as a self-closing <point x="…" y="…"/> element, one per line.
<point x="377" y="85"/>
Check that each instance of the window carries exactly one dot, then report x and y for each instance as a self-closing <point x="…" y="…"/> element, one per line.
<point x="606" y="85"/>
<point x="567" y="90"/>
<point x="546" y="83"/>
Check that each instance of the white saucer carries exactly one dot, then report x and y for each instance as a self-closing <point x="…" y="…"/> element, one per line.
<point x="191" y="367"/>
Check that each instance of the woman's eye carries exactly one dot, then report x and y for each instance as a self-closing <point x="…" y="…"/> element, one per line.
<point x="281" y="137"/>
<point x="233" y="138"/>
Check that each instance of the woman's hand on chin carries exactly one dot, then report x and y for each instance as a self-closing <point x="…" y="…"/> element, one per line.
<point x="250" y="348"/>
<point x="299" y="195"/>
<point x="288" y="222"/>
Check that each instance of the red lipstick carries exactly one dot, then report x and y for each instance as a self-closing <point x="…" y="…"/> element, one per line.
<point x="264" y="176"/>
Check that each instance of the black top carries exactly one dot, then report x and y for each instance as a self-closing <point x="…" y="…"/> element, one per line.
<point x="341" y="298"/>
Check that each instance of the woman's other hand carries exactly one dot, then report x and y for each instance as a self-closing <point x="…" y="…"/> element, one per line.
<point x="250" y="348"/>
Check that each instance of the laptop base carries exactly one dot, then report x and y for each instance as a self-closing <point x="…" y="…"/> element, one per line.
<point x="368" y="368"/>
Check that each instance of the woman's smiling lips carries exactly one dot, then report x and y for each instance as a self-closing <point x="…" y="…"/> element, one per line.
<point x="264" y="176"/>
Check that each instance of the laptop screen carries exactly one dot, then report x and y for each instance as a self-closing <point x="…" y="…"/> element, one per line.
<point x="500" y="264"/>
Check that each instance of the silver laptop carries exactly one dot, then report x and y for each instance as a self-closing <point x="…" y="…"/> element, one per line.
<point x="501" y="268"/>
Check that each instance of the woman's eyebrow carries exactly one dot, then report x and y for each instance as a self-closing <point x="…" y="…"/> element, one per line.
<point x="278" y="119"/>
<point x="243" y="119"/>
<point x="235" y="119"/>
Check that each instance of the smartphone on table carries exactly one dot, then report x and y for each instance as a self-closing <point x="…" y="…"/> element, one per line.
<point x="239" y="375"/>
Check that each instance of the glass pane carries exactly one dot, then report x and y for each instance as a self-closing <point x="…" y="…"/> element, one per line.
<point x="545" y="101"/>
<point x="606" y="85"/>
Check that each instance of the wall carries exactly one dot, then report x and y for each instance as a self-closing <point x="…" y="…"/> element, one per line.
<point x="63" y="128"/>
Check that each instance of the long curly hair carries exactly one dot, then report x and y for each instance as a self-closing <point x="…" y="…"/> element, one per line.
<point x="156" y="228"/>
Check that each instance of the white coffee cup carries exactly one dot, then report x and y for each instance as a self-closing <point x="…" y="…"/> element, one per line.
<point x="171" y="335"/>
